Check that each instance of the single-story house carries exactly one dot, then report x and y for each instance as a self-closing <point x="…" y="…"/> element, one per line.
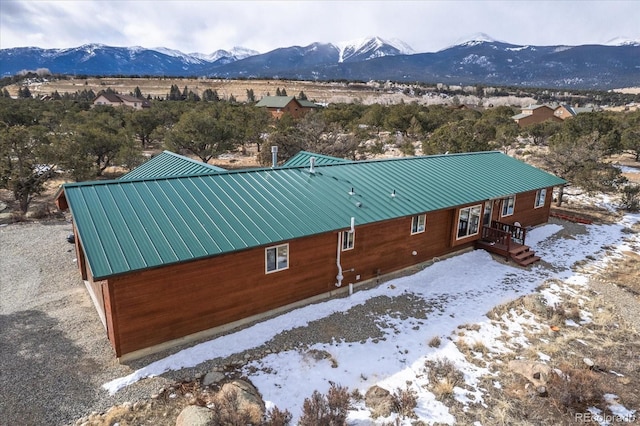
<point x="115" y="99"/>
<point x="535" y="114"/>
<point x="174" y="258"/>
<point x="280" y="105"/>
<point x="567" y="111"/>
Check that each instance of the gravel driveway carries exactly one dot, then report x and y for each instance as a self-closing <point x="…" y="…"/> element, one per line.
<point x="54" y="354"/>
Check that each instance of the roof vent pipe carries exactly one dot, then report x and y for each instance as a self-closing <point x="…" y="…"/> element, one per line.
<point x="312" y="163"/>
<point x="274" y="156"/>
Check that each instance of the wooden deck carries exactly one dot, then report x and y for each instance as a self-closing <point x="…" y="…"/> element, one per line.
<point x="508" y="241"/>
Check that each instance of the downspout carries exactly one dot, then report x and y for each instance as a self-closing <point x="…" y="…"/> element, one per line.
<point x="339" y="277"/>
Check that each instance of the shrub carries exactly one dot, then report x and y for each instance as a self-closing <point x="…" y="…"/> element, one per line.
<point x="329" y="410"/>
<point x="405" y="401"/>
<point x="443" y="377"/>
<point x="275" y="417"/>
<point x="435" y="342"/>
<point x="630" y="199"/>
<point x="227" y="410"/>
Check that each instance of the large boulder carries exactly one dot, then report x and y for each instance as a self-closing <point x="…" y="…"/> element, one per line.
<point x="193" y="415"/>
<point x="379" y="401"/>
<point x="249" y="399"/>
<point x="535" y="372"/>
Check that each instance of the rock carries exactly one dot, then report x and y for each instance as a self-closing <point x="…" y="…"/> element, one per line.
<point x="212" y="377"/>
<point x="536" y="372"/>
<point x="379" y="401"/>
<point x="193" y="415"/>
<point x="249" y="399"/>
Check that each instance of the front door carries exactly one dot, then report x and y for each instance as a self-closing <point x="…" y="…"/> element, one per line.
<point x="488" y="213"/>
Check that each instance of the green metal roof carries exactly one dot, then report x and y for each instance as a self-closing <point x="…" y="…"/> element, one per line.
<point x="302" y="159"/>
<point x="275" y="101"/>
<point x="170" y="164"/>
<point x="307" y="104"/>
<point x="129" y="225"/>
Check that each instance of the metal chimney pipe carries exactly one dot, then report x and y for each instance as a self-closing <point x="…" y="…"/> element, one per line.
<point x="274" y="156"/>
<point x="312" y="163"/>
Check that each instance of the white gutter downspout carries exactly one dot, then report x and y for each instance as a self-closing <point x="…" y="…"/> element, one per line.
<point x="339" y="277"/>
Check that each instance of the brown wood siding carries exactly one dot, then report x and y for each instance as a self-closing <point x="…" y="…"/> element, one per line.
<point x="163" y="304"/>
<point x="80" y="257"/>
<point x="167" y="303"/>
<point x="110" y="318"/>
<point x="524" y="211"/>
<point x="155" y="306"/>
<point x="384" y="247"/>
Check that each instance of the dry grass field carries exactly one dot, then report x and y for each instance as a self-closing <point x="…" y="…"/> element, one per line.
<point x="323" y="92"/>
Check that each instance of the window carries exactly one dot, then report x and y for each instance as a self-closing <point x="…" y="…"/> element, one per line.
<point x="540" y="196"/>
<point x="508" y="204"/>
<point x="348" y="239"/>
<point x="277" y="258"/>
<point x="468" y="221"/>
<point x="417" y="223"/>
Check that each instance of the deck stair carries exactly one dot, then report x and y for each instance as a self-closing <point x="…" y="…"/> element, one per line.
<point x="500" y="238"/>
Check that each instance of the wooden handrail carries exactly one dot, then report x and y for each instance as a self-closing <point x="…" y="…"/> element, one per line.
<point x="518" y="233"/>
<point x="497" y="236"/>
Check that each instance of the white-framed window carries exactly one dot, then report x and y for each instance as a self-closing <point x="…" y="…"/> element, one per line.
<point x="276" y="258"/>
<point x="418" y="223"/>
<point x="508" y="205"/>
<point x="348" y="240"/>
<point x="540" y="196"/>
<point x="468" y="221"/>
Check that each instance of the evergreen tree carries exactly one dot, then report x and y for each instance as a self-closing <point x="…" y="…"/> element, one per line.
<point x="174" y="93"/>
<point x="210" y="95"/>
<point x="302" y="96"/>
<point x="278" y="93"/>
<point x="250" y="96"/>
<point x="24" y="93"/>
<point x="283" y="92"/>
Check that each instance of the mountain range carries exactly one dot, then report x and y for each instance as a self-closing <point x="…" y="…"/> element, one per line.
<point x="480" y="60"/>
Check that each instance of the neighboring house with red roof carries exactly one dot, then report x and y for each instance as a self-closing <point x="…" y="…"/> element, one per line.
<point x="116" y="99"/>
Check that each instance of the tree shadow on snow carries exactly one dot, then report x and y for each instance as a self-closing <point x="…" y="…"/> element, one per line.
<point x="39" y="364"/>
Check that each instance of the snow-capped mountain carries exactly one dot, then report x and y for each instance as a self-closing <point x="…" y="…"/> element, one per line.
<point x="478" y="59"/>
<point x="232" y="55"/>
<point x="622" y="41"/>
<point x="371" y="47"/>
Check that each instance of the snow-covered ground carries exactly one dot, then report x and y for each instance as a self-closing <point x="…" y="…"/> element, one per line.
<point x="462" y="288"/>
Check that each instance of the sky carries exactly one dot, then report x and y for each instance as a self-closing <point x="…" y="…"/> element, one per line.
<point x="398" y="359"/>
<point x="206" y="26"/>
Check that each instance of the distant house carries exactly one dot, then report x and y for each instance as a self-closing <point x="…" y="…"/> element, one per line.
<point x="171" y="258"/>
<point x="567" y="111"/>
<point x="280" y="105"/>
<point x="535" y="114"/>
<point x="115" y="99"/>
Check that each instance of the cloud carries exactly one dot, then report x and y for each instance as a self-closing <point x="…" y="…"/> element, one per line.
<point x="205" y="26"/>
